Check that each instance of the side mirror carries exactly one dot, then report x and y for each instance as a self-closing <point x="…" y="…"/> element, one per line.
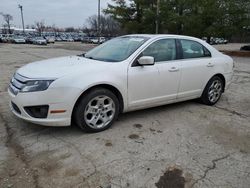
<point x="146" y="60"/>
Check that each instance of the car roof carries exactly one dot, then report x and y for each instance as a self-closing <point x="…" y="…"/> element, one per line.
<point x="160" y="36"/>
<point x="155" y="36"/>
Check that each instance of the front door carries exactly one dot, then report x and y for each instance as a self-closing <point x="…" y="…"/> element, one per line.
<point x="155" y="84"/>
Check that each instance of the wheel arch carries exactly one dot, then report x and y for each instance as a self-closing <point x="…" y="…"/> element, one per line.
<point x="221" y="76"/>
<point x="105" y="86"/>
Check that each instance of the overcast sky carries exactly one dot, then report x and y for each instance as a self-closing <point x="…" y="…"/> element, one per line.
<point x="62" y="13"/>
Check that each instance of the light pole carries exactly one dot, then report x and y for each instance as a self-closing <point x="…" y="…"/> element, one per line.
<point x="21" y="8"/>
<point x="157" y="17"/>
<point x="99" y="18"/>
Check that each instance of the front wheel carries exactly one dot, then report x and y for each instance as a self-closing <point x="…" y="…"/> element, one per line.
<point x="96" y="110"/>
<point x="212" y="91"/>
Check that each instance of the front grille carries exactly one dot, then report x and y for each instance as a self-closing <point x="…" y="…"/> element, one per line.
<point x="15" y="107"/>
<point x="17" y="83"/>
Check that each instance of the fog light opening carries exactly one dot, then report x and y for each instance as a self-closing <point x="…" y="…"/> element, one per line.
<point x="37" y="111"/>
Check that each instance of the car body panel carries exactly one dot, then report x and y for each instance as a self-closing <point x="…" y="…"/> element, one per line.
<point x="194" y="75"/>
<point x="152" y="84"/>
<point x="140" y="86"/>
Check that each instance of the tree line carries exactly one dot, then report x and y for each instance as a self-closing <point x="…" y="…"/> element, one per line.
<point x="218" y="18"/>
<point x="108" y="26"/>
<point x="198" y="18"/>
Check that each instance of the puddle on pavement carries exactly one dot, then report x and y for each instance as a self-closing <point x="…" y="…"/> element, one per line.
<point x="172" y="178"/>
<point x="108" y="144"/>
<point x="133" y="136"/>
<point x="137" y="125"/>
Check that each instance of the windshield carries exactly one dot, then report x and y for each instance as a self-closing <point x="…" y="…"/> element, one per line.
<point x="117" y="49"/>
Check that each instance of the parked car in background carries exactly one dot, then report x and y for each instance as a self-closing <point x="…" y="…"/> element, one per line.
<point x="124" y="74"/>
<point x="204" y="39"/>
<point x="96" y="40"/>
<point x="40" y="41"/>
<point x="4" y="39"/>
<point x="64" y="38"/>
<point x="77" y="38"/>
<point x="225" y="41"/>
<point x="18" y="40"/>
<point x="7" y="38"/>
<point x="86" y="40"/>
<point x="50" y="39"/>
<point x="69" y="39"/>
<point x="58" y="39"/>
<point x="214" y="41"/>
<point x="102" y="39"/>
<point x="218" y="41"/>
<point x="245" y="48"/>
<point x="29" y="40"/>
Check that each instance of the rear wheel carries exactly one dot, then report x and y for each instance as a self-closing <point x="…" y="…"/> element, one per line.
<point x="212" y="91"/>
<point x="97" y="110"/>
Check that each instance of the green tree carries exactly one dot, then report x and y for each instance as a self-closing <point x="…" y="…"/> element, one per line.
<point x="190" y="17"/>
<point x="136" y="16"/>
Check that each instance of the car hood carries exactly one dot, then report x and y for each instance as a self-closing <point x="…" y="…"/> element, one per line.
<point x="59" y="67"/>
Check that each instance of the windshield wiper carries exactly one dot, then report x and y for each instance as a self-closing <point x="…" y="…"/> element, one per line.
<point x="81" y="55"/>
<point x="89" y="57"/>
<point x="98" y="59"/>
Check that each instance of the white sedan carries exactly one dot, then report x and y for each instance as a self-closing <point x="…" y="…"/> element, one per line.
<point x="124" y="74"/>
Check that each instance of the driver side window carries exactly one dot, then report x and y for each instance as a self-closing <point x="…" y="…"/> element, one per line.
<point x="161" y="50"/>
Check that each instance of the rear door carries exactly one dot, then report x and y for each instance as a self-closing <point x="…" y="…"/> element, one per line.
<point x="197" y="67"/>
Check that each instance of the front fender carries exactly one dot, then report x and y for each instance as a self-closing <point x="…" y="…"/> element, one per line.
<point x="83" y="81"/>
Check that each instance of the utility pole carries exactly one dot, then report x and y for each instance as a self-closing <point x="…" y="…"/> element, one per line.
<point x="21" y="8"/>
<point x="99" y="19"/>
<point x="157" y="17"/>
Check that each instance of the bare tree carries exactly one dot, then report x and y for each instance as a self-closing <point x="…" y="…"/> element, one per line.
<point x="40" y="26"/>
<point x="87" y="30"/>
<point x="7" y="18"/>
<point x="112" y="27"/>
<point x="5" y="29"/>
<point x="70" y="29"/>
<point x="93" y="23"/>
<point x="108" y="26"/>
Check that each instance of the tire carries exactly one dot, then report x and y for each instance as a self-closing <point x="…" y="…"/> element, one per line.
<point x="212" y="91"/>
<point x="96" y="110"/>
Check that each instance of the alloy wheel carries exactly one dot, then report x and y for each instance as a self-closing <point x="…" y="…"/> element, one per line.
<point x="214" y="91"/>
<point x="99" y="112"/>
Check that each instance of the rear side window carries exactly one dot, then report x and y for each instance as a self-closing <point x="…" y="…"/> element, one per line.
<point x="161" y="50"/>
<point x="193" y="49"/>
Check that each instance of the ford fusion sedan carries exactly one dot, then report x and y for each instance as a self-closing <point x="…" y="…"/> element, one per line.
<point x="124" y="74"/>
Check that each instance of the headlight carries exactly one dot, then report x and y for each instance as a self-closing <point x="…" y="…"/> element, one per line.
<point x="36" y="85"/>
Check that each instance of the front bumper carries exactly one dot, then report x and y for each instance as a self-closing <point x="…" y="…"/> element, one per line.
<point x="57" y="99"/>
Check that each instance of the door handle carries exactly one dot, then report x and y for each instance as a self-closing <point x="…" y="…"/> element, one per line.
<point x="210" y="65"/>
<point x="173" y="69"/>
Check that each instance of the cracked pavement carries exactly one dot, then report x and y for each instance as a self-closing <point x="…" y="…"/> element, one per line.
<point x="209" y="145"/>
